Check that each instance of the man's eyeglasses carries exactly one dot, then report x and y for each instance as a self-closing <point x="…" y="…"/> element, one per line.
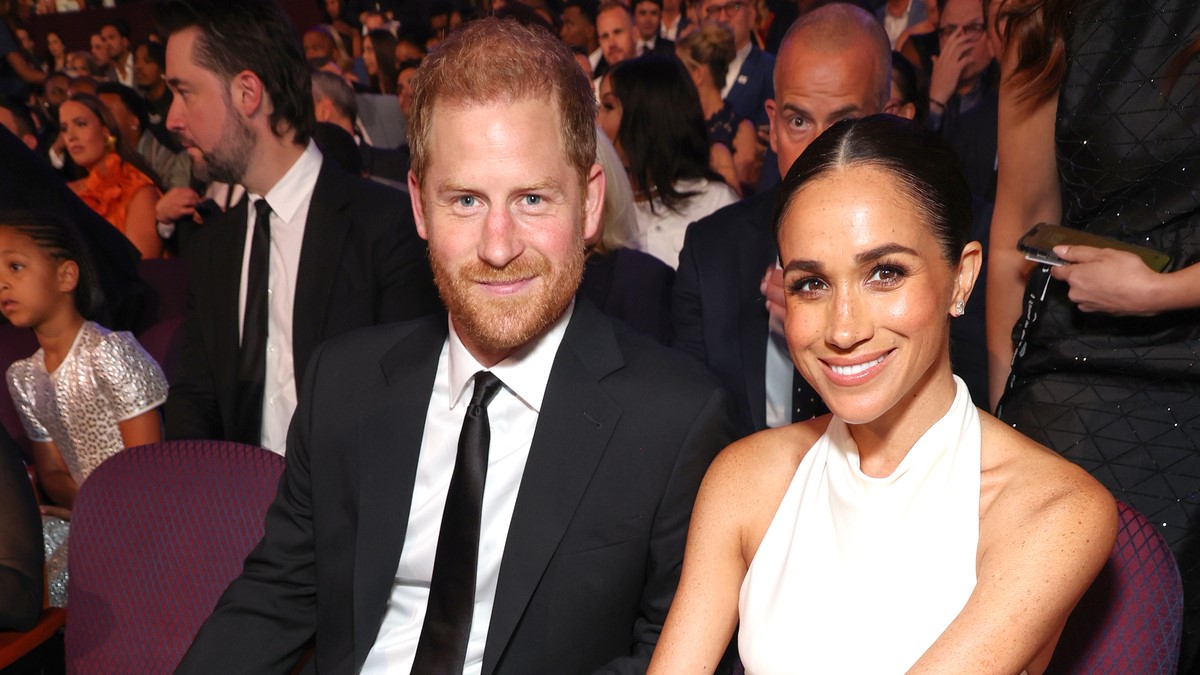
<point x="727" y="9"/>
<point x="968" y="29"/>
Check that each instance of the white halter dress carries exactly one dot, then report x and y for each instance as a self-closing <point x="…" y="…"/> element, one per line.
<point x="859" y="574"/>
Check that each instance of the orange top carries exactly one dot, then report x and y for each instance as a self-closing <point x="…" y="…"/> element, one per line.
<point x="108" y="188"/>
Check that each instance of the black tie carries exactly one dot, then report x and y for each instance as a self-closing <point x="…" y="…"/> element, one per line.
<point x="442" y="647"/>
<point x="252" y="357"/>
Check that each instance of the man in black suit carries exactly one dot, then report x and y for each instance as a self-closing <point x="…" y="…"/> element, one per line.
<point x="334" y="102"/>
<point x="547" y="535"/>
<point x="318" y="253"/>
<point x="647" y="18"/>
<point x="834" y="63"/>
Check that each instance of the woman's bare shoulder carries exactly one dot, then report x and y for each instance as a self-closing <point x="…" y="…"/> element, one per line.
<point x="1029" y="488"/>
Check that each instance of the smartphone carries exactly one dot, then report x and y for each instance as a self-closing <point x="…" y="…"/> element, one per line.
<point x="1038" y="245"/>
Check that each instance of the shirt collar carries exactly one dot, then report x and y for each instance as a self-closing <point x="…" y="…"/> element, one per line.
<point x="291" y="191"/>
<point x="525" y="373"/>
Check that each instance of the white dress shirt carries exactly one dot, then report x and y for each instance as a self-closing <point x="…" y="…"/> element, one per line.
<point x="289" y="200"/>
<point x="671" y="32"/>
<point x="895" y="26"/>
<point x="735" y="68"/>
<point x="512" y="416"/>
<point x="127" y="78"/>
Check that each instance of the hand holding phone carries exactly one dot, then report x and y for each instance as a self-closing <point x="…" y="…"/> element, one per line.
<point x="1038" y="245"/>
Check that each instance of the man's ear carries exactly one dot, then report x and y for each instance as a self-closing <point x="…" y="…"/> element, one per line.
<point x="418" y="206"/>
<point x="68" y="276"/>
<point x="593" y="205"/>
<point x="770" y="106"/>
<point x="247" y="93"/>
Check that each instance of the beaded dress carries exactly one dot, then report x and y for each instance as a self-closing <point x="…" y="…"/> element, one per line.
<point x="1119" y="395"/>
<point x="106" y="378"/>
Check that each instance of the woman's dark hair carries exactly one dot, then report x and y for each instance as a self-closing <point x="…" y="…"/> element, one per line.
<point x="155" y="51"/>
<point x="92" y="102"/>
<point x="662" y="129"/>
<point x="58" y="238"/>
<point x="924" y="166"/>
<point x="904" y="76"/>
<point x="384" y="79"/>
<point x="252" y="35"/>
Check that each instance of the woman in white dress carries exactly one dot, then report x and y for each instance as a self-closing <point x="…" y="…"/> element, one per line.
<point x="907" y="531"/>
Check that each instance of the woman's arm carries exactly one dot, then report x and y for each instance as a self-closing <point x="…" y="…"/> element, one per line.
<point x="1043" y="539"/>
<point x="53" y="475"/>
<point x="140" y="227"/>
<point x="720" y="160"/>
<point x="1027" y="193"/>
<point x="1118" y="282"/>
<point x="140" y="430"/>
<point x="26" y="72"/>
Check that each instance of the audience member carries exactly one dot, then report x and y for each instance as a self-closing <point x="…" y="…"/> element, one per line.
<point x="118" y="185"/>
<point x="706" y="53"/>
<point x="599" y="436"/>
<point x="16" y="118"/>
<point x="379" y="56"/>
<point x="897" y="16"/>
<point x="919" y="43"/>
<point x="102" y="65"/>
<point x="906" y="100"/>
<point x="407" y="70"/>
<point x="344" y="22"/>
<point x="579" y="31"/>
<point x="336" y="251"/>
<point x="322" y="41"/>
<point x="80" y="63"/>
<point x="646" y="20"/>
<point x="1099" y="132"/>
<point x="625" y="283"/>
<point x="728" y="304"/>
<point x="56" y="53"/>
<point x="748" y="83"/>
<point x="115" y="33"/>
<point x="945" y="538"/>
<point x="17" y="74"/>
<point x="334" y="102"/>
<point x="650" y="111"/>
<point x="410" y="45"/>
<point x="614" y="28"/>
<point x="21" y="575"/>
<point x="149" y="74"/>
<point x="673" y="19"/>
<point x="964" y="92"/>
<point x="172" y="167"/>
<point x="87" y="393"/>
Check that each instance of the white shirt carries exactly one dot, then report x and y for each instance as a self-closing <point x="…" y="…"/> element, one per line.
<point x="512" y="417"/>
<point x="594" y="58"/>
<point x="660" y="232"/>
<point x="895" y="26"/>
<point x="671" y="32"/>
<point x="289" y="200"/>
<point x="735" y="68"/>
<point x="127" y="78"/>
<point x="646" y="46"/>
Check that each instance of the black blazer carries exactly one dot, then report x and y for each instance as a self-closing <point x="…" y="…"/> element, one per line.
<point x="592" y="559"/>
<point x="361" y="263"/>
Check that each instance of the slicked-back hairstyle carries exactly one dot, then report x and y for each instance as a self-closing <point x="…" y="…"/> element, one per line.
<point x="59" y="239"/>
<point x="838" y="26"/>
<point x="501" y="61"/>
<point x="253" y="35"/>
<point x="326" y="85"/>
<point x="133" y="102"/>
<point x="118" y="24"/>
<point x="713" y="46"/>
<point x="925" y="168"/>
<point x="155" y="51"/>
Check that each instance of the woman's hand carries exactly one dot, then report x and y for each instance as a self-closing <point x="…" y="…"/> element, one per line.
<point x="1108" y="280"/>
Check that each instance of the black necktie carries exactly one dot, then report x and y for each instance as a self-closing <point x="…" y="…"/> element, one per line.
<point x="442" y="647"/>
<point x="252" y="357"/>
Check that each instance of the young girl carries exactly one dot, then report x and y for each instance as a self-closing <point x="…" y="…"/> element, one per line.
<point x="87" y="393"/>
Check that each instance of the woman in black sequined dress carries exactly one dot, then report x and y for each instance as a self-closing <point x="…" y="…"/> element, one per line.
<point x="1100" y="131"/>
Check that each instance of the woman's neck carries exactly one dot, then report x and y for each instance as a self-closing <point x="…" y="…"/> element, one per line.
<point x="885" y="441"/>
<point x="56" y="335"/>
<point x="710" y="101"/>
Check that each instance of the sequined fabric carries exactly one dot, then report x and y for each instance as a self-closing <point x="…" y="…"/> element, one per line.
<point x="105" y="378"/>
<point x="54" y="541"/>
<point x="1120" y="396"/>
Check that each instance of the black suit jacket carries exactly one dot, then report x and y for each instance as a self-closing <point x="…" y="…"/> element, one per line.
<point x="361" y="263"/>
<point x="593" y="553"/>
<point x="390" y="163"/>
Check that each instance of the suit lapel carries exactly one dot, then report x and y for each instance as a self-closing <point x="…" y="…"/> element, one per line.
<point x="228" y="249"/>
<point x="388" y="450"/>
<point x="325" y="233"/>
<point x="573" y="429"/>
<point x="759" y="251"/>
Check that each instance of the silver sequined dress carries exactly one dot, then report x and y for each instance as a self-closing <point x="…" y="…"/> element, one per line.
<point x="106" y="378"/>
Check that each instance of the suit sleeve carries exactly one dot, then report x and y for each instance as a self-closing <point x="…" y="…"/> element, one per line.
<point x="265" y="618"/>
<point x="687" y="307"/>
<point x="405" y="289"/>
<point x="191" y="410"/>
<point x="710" y="431"/>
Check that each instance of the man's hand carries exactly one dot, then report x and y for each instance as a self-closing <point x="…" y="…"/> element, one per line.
<point x="948" y="67"/>
<point x="177" y="203"/>
<point x="1108" y="280"/>
<point x="771" y="287"/>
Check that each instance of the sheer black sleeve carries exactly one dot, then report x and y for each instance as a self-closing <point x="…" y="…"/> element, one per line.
<point x="21" y="554"/>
